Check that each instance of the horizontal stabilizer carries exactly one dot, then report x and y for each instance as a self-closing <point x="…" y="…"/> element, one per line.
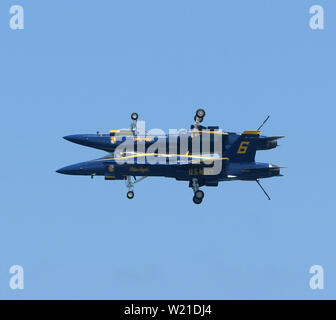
<point x="274" y="138"/>
<point x="272" y="167"/>
<point x="266" y="143"/>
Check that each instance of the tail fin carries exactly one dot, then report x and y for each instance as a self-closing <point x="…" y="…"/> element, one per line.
<point x="244" y="148"/>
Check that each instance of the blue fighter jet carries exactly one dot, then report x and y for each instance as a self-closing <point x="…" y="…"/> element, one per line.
<point x="202" y="156"/>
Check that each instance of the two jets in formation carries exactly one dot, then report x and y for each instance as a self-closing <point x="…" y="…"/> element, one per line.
<point x="202" y="156"/>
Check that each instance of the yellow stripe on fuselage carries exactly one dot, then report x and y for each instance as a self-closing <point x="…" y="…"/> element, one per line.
<point x="207" y="131"/>
<point x="251" y="132"/>
<point x="137" y="155"/>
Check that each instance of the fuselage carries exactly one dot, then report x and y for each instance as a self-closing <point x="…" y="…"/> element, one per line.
<point x="112" y="169"/>
<point x="181" y="140"/>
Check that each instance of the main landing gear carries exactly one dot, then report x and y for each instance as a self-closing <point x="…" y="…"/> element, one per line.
<point x="134" y="117"/>
<point x="200" y="114"/>
<point x="198" y="194"/>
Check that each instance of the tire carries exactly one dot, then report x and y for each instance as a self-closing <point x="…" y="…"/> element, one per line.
<point x="130" y="194"/>
<point x="200" y="113"/>
<point x="197" y="201"/>
<point x="134" y="116"/>
<point x="199" y="119"/>
<point x="199" y="194"/>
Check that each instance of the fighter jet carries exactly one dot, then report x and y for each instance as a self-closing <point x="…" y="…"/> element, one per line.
<point x="201" y="156"/>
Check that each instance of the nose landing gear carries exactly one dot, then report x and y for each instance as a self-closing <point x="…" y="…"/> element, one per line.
<point x="130" y="185"/>
<point x="130" y="194"/>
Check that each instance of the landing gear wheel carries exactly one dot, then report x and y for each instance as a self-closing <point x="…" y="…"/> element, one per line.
<point x="199" y="194"/>
<point x="198" y="119"/>
<point x="130" y="194"/>
<point x="200" y="113"/>
<point x="134" y="116"/>
<point x="196" y="200"/>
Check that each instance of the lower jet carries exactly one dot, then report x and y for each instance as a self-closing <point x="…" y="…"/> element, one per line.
<point x="202" y="156"/>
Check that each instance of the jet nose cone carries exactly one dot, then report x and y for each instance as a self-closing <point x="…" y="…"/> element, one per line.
<point x="76" y="138"/>
<point x="65" y="170"/>
<point x="82" y="139"/>
<point x="72" y="169"/>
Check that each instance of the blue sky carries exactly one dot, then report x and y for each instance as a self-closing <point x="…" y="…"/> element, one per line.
<point x="83" y="66"/>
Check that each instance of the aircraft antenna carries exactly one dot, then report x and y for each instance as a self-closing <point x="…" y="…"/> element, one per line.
<point x="268" y="197"/>
<point x="263" y="123"/>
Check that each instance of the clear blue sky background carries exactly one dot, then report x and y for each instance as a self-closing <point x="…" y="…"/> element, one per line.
<point x="82" y="66"/>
